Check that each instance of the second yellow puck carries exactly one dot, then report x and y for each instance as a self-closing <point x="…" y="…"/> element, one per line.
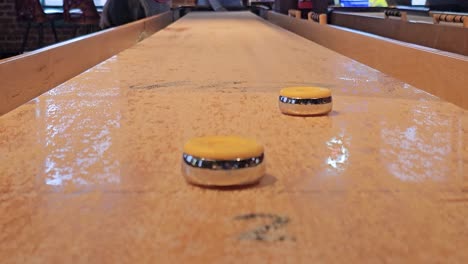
<point x="305" y="101"/>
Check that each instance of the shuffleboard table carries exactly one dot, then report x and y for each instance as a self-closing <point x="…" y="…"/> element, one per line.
<point x="90" y="171"/>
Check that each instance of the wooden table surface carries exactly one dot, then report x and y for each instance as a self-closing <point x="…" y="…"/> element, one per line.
<point x="90" y="171"/>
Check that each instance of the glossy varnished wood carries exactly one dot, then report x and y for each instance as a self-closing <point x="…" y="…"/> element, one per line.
<point x="26" y="76"/>
<point x="90" y="171"/>
<point x="437" y="72"/>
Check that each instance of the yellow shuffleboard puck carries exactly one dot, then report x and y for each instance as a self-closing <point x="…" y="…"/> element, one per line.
<point x="222" y="161"/>
<point x="305" y="101"/>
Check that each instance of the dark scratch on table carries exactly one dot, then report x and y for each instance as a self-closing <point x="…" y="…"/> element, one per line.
<point x="266" y="232"/>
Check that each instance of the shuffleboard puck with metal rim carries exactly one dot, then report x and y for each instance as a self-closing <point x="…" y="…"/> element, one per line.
<point x="222" y="161"/>
<point x="305" y="101"/>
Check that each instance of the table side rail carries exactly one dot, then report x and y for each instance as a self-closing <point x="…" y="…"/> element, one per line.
<point x="27" y="76"/>
<point x="422" y="32"/>
<point x="442" y="74"/>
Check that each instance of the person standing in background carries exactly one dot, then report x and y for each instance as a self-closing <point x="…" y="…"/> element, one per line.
<point x="119" y="12"/>
<point x="320" y="6"/>
<point x="154" y="7"/>
<point x="317" y="6"/>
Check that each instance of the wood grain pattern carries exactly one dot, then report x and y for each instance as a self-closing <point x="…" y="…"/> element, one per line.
<point x="90" y="171"/>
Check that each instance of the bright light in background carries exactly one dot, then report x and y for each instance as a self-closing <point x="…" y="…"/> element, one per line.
<point x="363" y="3"/>
<point x="378" y="3"/>
<point x="418" y="2"/>
<point x="374" y="3"/>
<point x="60" y="2"/>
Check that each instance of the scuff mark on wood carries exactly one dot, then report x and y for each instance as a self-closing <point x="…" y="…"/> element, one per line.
<point x="267" y="232"/>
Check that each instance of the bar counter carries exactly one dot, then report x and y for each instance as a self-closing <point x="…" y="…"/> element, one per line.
<point x="90" y="171"/>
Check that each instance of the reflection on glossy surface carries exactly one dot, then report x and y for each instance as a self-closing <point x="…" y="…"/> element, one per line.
<point x="90" y="171"/>
<point x="421" y="150"/>
<point x="79" y="145"/>
<point x="338" y="153"/>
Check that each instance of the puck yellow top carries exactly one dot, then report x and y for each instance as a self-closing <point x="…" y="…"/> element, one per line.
<point x="305" y="92"/>
<point x="223" y="148"/>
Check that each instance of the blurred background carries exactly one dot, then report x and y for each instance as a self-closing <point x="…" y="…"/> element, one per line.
<point x="21" y="33"/>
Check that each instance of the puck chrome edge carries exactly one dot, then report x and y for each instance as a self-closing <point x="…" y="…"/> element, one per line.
<point x="212" y="164"/>
<point x="209" y="177"/>
<point x="305" y="109"/>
